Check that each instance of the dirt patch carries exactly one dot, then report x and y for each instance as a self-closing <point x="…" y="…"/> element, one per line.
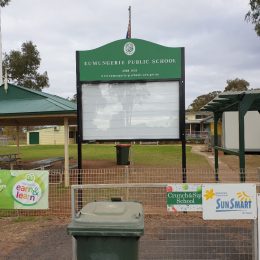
<point x="170" y="236"/>
<point x="34" y="238"/>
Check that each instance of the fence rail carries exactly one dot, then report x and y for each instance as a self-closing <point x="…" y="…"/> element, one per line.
<point x="4" y="140"/>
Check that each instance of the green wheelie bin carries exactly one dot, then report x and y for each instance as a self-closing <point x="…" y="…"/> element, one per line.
<point x="108" y="230"/>
<point x="122" y="154"/>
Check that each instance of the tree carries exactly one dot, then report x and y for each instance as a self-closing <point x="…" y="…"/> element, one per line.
<point x="237" y="85"/>
<point x="22" y="67"/>
<point x="253" y="15"/>
<point x="3" y="3"/>
<point x="202" y="100"/>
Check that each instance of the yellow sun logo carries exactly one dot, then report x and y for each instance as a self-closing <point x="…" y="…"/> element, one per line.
<point x="243" y="196"/>
<point x="209" y="194"/>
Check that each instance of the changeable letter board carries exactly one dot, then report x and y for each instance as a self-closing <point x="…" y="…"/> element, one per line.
<point x="128" y="111"/>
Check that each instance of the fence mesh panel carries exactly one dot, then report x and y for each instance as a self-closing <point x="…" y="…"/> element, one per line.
<point x="179" y="235"/>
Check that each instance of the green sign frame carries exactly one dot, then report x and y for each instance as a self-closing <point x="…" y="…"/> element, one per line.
<point x="131" y="61"/>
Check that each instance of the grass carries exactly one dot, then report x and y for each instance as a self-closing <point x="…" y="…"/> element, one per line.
<point x="25" y="219"/>
<point x="141" y="155"/>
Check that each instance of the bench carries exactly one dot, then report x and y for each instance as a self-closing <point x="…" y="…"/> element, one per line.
<point x="46" y="163"/>
<point x="9" y="159"/>
<point x="149" y="142"/>
<point x="73" y="166"/>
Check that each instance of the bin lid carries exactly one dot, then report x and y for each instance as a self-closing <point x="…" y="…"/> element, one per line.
<point x="108" y="217"/>
<point x="123" y="145"/>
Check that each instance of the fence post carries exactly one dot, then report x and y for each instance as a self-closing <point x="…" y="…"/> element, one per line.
<point x="255" y="240"/>
<point x="126" y="181"/>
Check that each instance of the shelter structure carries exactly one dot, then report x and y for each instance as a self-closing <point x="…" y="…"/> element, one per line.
<point x="241" y="102"/>
<point x="20" y="106"/>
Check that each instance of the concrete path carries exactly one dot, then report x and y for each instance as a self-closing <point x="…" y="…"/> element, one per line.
<point x="226" y="174"/>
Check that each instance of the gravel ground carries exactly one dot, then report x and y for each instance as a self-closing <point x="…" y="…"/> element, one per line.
<point x="41" y="238"/>
<point x="166" y="237"/>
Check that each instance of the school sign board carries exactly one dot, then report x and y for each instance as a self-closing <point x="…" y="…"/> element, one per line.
<point x="229" y="201"/>
<point x="22" y="189"/>
<point x="130" y="59"/>
<point x="184" y="197"/>
<point x="131" y="89"/>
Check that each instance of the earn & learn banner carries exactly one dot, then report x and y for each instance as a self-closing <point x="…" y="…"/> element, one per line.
<point x="22" y="189"/>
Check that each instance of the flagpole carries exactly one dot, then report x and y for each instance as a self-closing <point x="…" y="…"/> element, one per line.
<point x="129" y="29"/>
<point x="1" y="60"/>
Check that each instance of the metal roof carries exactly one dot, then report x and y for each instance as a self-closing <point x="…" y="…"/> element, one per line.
<point x="23" y="106"/>
<point x="230" y="101"/>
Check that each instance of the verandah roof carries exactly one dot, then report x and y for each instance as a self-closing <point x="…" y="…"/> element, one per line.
<point x="23" y="106"/>
<point x="229" y="101"/>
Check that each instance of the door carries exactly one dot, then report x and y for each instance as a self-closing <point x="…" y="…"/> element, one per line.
<point x="34" y="138"/>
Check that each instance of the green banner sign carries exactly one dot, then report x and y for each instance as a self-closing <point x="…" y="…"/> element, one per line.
<point x="24" y="189"/>
<point x="184" y="197"/>
<point x="129" y="60"/>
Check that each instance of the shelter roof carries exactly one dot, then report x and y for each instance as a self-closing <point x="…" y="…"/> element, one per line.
<point x="22" y="106"/>
<point x="229" y="101"/>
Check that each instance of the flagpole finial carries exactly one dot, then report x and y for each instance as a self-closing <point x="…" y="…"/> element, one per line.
<point x="128" y="34"/>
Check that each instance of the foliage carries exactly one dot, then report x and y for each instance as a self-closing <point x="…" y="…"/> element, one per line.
<point x="3" y="3"/>
<point x="202" y="100"/>
<point x="237" y="85"/>
<point x="253" y="15"/>
<point x="22" y="67"/>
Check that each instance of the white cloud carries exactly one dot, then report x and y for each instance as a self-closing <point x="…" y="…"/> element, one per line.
<point x="219" y="44"/>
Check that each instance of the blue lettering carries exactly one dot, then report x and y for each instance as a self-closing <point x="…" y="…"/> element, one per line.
<point x="237" y="204"/>
<point x="232" y="203"/>
<point x="218" y="204"/>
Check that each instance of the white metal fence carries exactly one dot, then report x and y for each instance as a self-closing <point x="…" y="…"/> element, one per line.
<point x="167" y="235"/>
<point x="175" y="235"/>
<point x="60" y="196"/>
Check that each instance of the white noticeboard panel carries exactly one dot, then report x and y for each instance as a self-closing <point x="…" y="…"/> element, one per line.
<point x="129" y="111"/>
<point x="230" y="127"/>
<point x="229" y="201"/>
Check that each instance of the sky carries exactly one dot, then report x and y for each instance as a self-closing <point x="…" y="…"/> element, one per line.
<point x="219" y="44"/>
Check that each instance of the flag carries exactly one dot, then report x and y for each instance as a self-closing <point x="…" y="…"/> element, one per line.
<point x="128" y="34"/>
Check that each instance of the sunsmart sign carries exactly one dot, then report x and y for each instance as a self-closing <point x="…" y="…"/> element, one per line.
<point x="23" y="189"/>
<point x="229" y="201"/>
<point x="184" y="197"/>
<point x="129" y="60"/>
